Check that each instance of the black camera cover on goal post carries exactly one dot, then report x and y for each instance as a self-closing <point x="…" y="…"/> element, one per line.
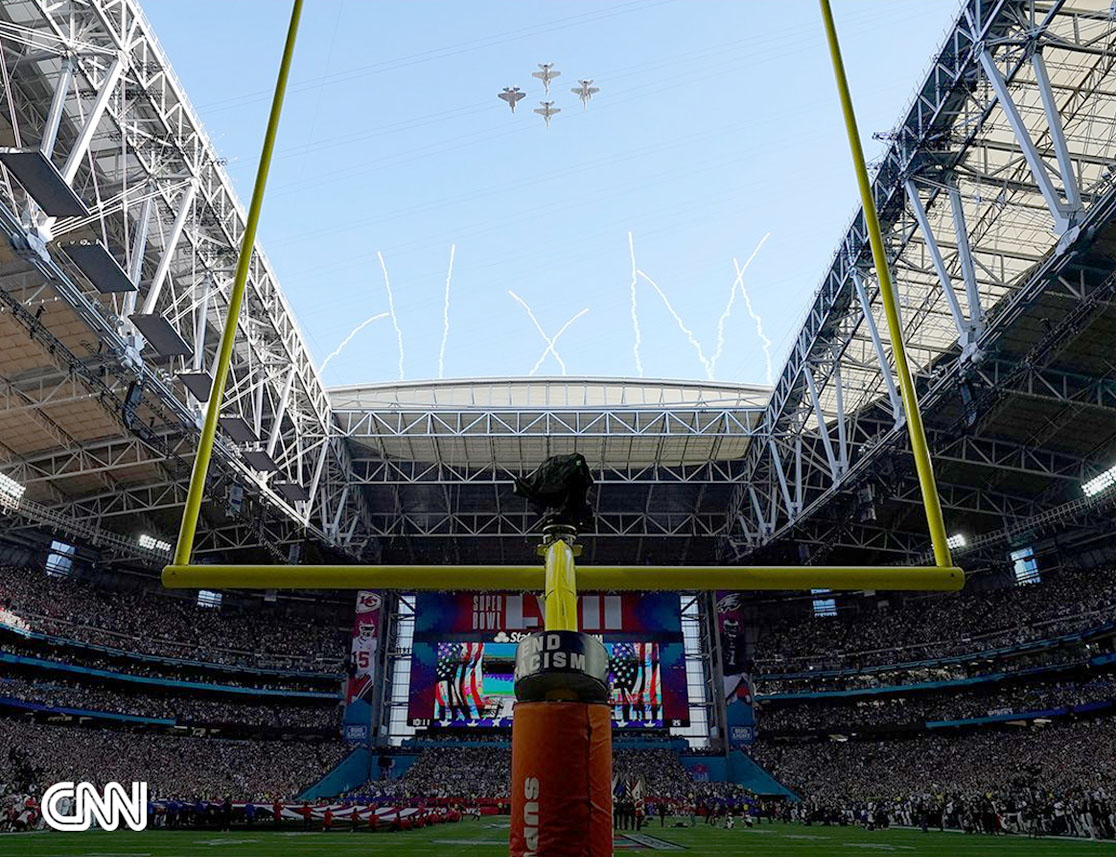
<point x="559" y="490"/>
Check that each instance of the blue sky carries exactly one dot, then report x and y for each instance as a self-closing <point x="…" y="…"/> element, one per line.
<point x="717" y="123"/>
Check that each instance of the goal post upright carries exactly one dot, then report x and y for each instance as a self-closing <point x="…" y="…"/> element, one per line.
<point x="923" y="465"/>
<point x="184" y="546"/>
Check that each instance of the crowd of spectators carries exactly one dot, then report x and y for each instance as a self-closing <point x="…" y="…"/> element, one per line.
<point x="1057" y="779"/>
<point x="478" y="735"/>
<point x="233" y="676"/>
<point x="37" y="755"/>
<point x="1069" y="601"/>
<point x="1021" y="809"/>
<point x="467" y="773"/>
<point x="659" y="771"/>
<point x="1063" y="655"/>
<point x="191" y="709"/>
<point x="844" y="715"/>
<point x="155" y="624"/>
<point x="158" y="673"/>
<point x="477" y="774"/>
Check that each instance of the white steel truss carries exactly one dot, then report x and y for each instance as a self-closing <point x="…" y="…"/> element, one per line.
<point x="990" y="193"/>
<point x="89" y="86"/>
<point x="995" y="188"/>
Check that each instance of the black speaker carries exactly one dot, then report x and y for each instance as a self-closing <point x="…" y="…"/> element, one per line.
<point x="132" y="399"/>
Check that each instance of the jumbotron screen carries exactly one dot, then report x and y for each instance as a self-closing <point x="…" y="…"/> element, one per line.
<point x="463" y="656"/>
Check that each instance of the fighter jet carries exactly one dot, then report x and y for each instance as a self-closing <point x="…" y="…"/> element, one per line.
<point x="511" y="94"/>
<point x="547" y="74"/>
<point x="585" y="91"/>
<point x="547" y="110"/>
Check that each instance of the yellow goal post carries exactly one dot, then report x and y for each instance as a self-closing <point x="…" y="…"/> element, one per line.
<point x="557" y="576"/>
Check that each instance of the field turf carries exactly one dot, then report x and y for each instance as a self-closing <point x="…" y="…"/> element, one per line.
<point x="488" y="838"/>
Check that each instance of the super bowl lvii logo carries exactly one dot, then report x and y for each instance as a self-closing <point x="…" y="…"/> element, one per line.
<point x="75" y="806"/>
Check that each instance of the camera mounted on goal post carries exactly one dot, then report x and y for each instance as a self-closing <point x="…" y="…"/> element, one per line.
<point x="559" y="490"/>
<point x="560" y="662"/>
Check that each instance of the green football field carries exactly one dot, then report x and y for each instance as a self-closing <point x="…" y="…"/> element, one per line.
<point x="488" y="838"/>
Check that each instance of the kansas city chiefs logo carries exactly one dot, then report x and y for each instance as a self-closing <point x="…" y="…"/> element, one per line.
<point x="367" y="602"/>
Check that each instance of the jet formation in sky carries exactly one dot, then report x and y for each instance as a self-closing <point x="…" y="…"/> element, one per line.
<point x="546" y="109"/>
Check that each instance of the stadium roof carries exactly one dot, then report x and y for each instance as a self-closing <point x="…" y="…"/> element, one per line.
<point x="516" y="423"/>
<point x="436" y="459"/>
<point x="580" y="393"/>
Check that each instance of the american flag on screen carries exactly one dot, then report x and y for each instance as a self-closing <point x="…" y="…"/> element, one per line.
<point x="459" y="689"/>
<point x="635" y="679"/>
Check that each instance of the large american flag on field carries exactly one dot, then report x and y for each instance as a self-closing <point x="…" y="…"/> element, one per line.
<point x="459" y="689"/>
<point x="637" y="693"/>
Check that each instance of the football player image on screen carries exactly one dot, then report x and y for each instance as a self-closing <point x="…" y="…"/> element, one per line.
<point x="365" y="644"/>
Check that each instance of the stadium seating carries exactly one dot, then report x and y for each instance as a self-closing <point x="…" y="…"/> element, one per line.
<point x="1042" y="781"/>
<point x="147" y="622"/>
<point x="981" y="711"/>
<point x="929" y="629"/>
<point x="1008" y="716"/>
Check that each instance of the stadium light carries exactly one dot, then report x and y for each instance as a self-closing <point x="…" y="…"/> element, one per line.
<point x="1100" y="483"/>
<point x="10" y="490"/>
<point x="152" y="543"/>
<point x="957" y="540"/>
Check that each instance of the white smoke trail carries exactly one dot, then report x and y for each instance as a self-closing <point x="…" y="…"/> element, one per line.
<point x="635" y="315"/>
<point x="728" y="307"/>
<point x="542" y="333"/>
<point x="553" y="344"/>
<point x="391" y="312"/>
<point x="681" y="325"/>
<point x="348" y="338"/>
<point x="445" y="316"/>
<point x="530" y="314"/>
<point x="550" y="349"/>
<point x="755" y="317"/>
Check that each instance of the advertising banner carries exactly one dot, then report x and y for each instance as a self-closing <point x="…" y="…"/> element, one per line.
<point x="736" y="671"/>
<point x="365" y="643"/>
<point x="464" y="615"/>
